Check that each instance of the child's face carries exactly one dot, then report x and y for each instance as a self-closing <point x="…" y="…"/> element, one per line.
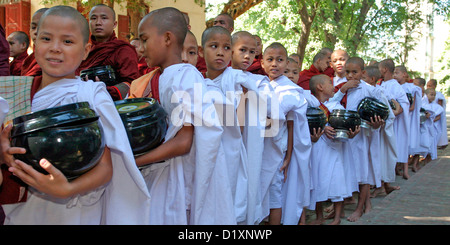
<point x="259" y="45"/>
<point x="243" y="52"/>
<point x="322" y="64"/>
<point x="217" y="52"/>
<point x="190" y="50"/>
<point x="152" y="47"/>
<point x="353" y="72"/>
<point x="33" y="26"/>
<point x="101" y="22"/>
<point x="338" y="60"/>
<point x="431" y="96"/>
<point x="292" y="72"/>
<point x="274" y="62"/>
<point x="15" y="48"/>
<point x="60" y="47"/>
<point x="399" y="75"/>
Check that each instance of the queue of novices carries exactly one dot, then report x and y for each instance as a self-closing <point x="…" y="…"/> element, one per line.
<point x="244" y="159"/>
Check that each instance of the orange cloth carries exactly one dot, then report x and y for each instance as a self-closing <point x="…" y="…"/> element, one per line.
<point x="139" y="86"/>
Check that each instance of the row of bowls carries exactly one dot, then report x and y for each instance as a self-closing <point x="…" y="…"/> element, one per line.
<point x="72" y="139"/>
<point x="343" y="120"/>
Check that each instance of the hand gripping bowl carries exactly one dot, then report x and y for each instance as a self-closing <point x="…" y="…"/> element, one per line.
<point x="316" y="118"/>
<point x="423" y="115"/>
<point x="106" y="74"/>
<point x="342" y="121"/>
<point x="68" y="136"/>
<point x="145" y="122"/>
<point x="370" y="107"/>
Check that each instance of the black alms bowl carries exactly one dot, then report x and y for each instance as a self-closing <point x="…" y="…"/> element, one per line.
<point x="370" y="107"/>
<point x="423" y="116"/>
<point x="106" y="74"/>
<point x="72" y="146"/>
<point x="145" y="122"/>
<point x="316" y="119"/>
<point x="344" y="119"/>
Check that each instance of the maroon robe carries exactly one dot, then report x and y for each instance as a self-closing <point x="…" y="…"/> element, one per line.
<point x="4" y="53"/>
<point x="121" y="56"/>
<point x="15" y="67"/>
<point x="30" y="67"/>
<point x="256" y="67"/>
<point x="307" y="74"/>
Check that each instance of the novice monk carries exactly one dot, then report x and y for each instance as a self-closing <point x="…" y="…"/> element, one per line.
<point x="401" y="75"/>
<point x="292" y="70"/>
<point x="252" y="122"/>
<point x="431" y="128"/>
<point x="440" y="99"/>
<point x="29" y="65"/>
<point x="185" y="174"/>
<point x="338" y="59"/>
<point x="290" y="149"/>
<point x="320" y="64"/>
<point x="108" y="50"/>
<point x="365" y="169"/>
<point x="255" y="67"/>
<point x="190" y="49"/>
<point x="229" y="84"/>
<point x="327" y="158"/>
<point x="18" y="45"/>
<point x="113" y="192"/>
<point x="397" y="94"/>
<point x="383" y="143"/>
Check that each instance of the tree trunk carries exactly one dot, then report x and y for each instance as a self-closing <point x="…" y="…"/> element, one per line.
<point x="307" y="20"/>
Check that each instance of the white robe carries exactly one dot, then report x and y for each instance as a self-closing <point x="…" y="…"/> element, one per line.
<point x="443" y="137"/>
<point x="4" y="109"/>
<point x="327" y="167"/>
<point x="297" y="186"/>
<point x="124" y="200"/>
<point x="366" y="170"/>
<point x="194" y="181"/>
<point x="431" y="129"/>
<point x="414" y="115"/>
<point x="402" y="122"/>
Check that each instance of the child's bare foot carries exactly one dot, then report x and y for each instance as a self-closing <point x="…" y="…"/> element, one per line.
<point x="355" y="216"/>
<point x="378" y="191"/>
<point x="390" y="189"/>
<point x="329" y="209"/>
<point x="405" y="175"/>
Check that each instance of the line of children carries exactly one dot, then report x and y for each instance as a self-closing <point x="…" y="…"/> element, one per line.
<point x="238" y="149"/>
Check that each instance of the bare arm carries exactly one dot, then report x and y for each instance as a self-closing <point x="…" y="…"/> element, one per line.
<point x="177" y="146"/>
<point x="290" y="146"/>
<point x="57" y="185"/>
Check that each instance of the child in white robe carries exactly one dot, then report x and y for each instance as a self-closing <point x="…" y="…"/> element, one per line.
<point x="440" y="99"/>
<point x="365" y="169"/>
<point x="394" y="91"/>
<point x="113" y="192"/>
<point x="252" y="120"/>
<point x="290" y="149"/>
<point x="401" y="74"/>
<point x="435" y="111"/>
<point x="327" y="158"/>
<point x="190" y="186"/>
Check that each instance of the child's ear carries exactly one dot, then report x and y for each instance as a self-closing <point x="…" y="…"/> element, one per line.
<point x="200" y="51"/>
<point x="87" y="49"/>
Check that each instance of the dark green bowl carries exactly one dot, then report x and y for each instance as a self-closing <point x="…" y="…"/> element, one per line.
<point x="52" y="117"/>
<point x="370" y="107"/>
<point x="106" y="74"/>
<point x="344" y="119"/>
<point x="145" y="122"/>
<point x="316" y="118"/>
<point x="73" y="148"/>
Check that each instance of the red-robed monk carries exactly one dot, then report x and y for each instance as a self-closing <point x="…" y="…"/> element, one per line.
<point x="108" y="50"/>
<point x="29" y="66"/>
<point x="18" y="45"/>
<point x="4" y="53"/>
<point x="320" y="64"/>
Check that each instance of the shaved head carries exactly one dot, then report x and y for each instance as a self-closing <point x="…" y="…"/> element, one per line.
<point x="276" y="45"/>
<point x="68" y="12"/>
<point x="235" y="37"/>
<point x="213" y="30"/>
<point x="357" y="61"/>
<point x="167" y="20"/>
<point x="113" y="13"/>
